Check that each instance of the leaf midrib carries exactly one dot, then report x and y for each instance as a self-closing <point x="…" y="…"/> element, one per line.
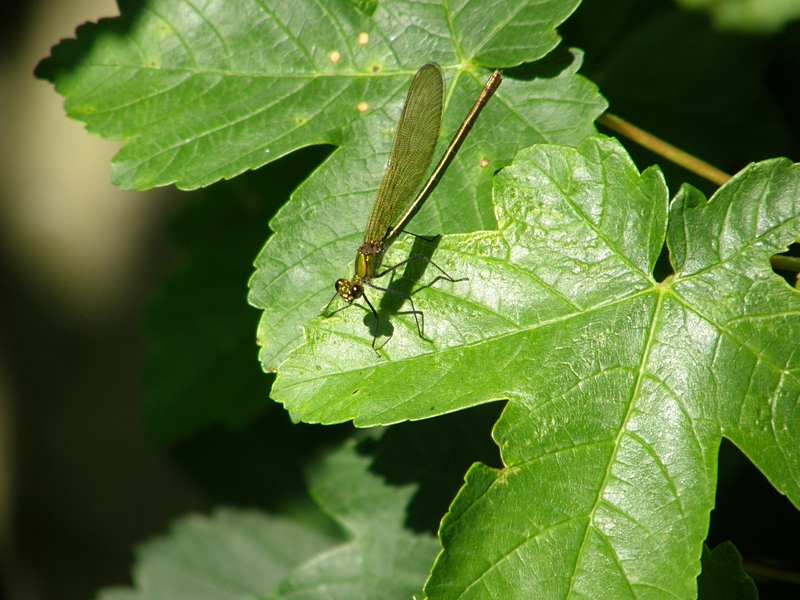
<point x="459" y="349"/>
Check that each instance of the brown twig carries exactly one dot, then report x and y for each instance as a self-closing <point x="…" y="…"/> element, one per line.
<point x="775" y="573"/>
<point x="786" y="263"/>
<point x="689" y="162"/>
<point x="662" y="148"/>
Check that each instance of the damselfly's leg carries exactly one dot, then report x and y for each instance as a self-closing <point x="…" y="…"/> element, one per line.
<point x="420" y="320"/>
<point x="324" y="312"/>
<point x="443" y="275"/>
<point x="424" y="238"/>
<point x="377" y="321"/>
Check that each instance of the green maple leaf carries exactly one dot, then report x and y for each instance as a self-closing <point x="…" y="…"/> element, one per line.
<point x="319" y="230"/>
<point x="759" y="16"/>
<point x="206" y="92"/>
<point x="247" y="554"/>
<point x="723" y="575"/>
<point x="383" y="559"/>
<point x="620" y="386"/>
<point x="232" y="553"/>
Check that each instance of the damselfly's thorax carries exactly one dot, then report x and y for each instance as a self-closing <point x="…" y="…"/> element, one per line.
<point x="368" y="259"/>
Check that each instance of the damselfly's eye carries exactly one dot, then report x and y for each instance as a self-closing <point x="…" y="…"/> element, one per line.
<point x="340" y="285"/>
<point x="356" y="291"/>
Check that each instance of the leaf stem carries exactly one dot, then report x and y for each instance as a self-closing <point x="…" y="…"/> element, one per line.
<point x="689" y="162"/>
<point x="662" y="148"/>
<point x="786" y="263"/>
<point x="771" y="572"/>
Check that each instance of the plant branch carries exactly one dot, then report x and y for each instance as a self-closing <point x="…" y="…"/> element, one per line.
<point x="687" y="161"/>
<point x="786" y="263"/>
<point x="774" y="573"/>
<point x="662" y="148"/>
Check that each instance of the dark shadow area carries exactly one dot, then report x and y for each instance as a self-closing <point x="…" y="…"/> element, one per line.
<point x="407" y="278"/>
<point x="402" y="283"/>
<point x="723" y="97"/>
<point x="781" y="76"/>
<point x="85" y="488"/>
<point x="202" y="366"/>
<point x="663" y="267"/>
<point x="435" y="454"/>
<point x="14" y="18"/>
<point x="260" y="464"/>
<point x="598" y="27"/>
<point x="381" y="329"/>
<point x="547" y="67"/>
<point x="763" y="525"/>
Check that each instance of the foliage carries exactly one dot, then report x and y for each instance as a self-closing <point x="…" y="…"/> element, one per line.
<point x="621" y="384"/>
<point x="723" y="576"/>
<point x="237" y="554"/>
<point x="748" y="15"/>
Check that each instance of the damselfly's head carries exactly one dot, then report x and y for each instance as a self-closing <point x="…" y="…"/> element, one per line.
<point x="349" y="289"/>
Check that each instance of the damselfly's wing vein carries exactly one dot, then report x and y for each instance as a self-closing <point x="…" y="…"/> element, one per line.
<point x="412" y="151"/>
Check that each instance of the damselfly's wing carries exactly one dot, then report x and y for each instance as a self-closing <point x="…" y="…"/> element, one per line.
<point x="412" y="151"/>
